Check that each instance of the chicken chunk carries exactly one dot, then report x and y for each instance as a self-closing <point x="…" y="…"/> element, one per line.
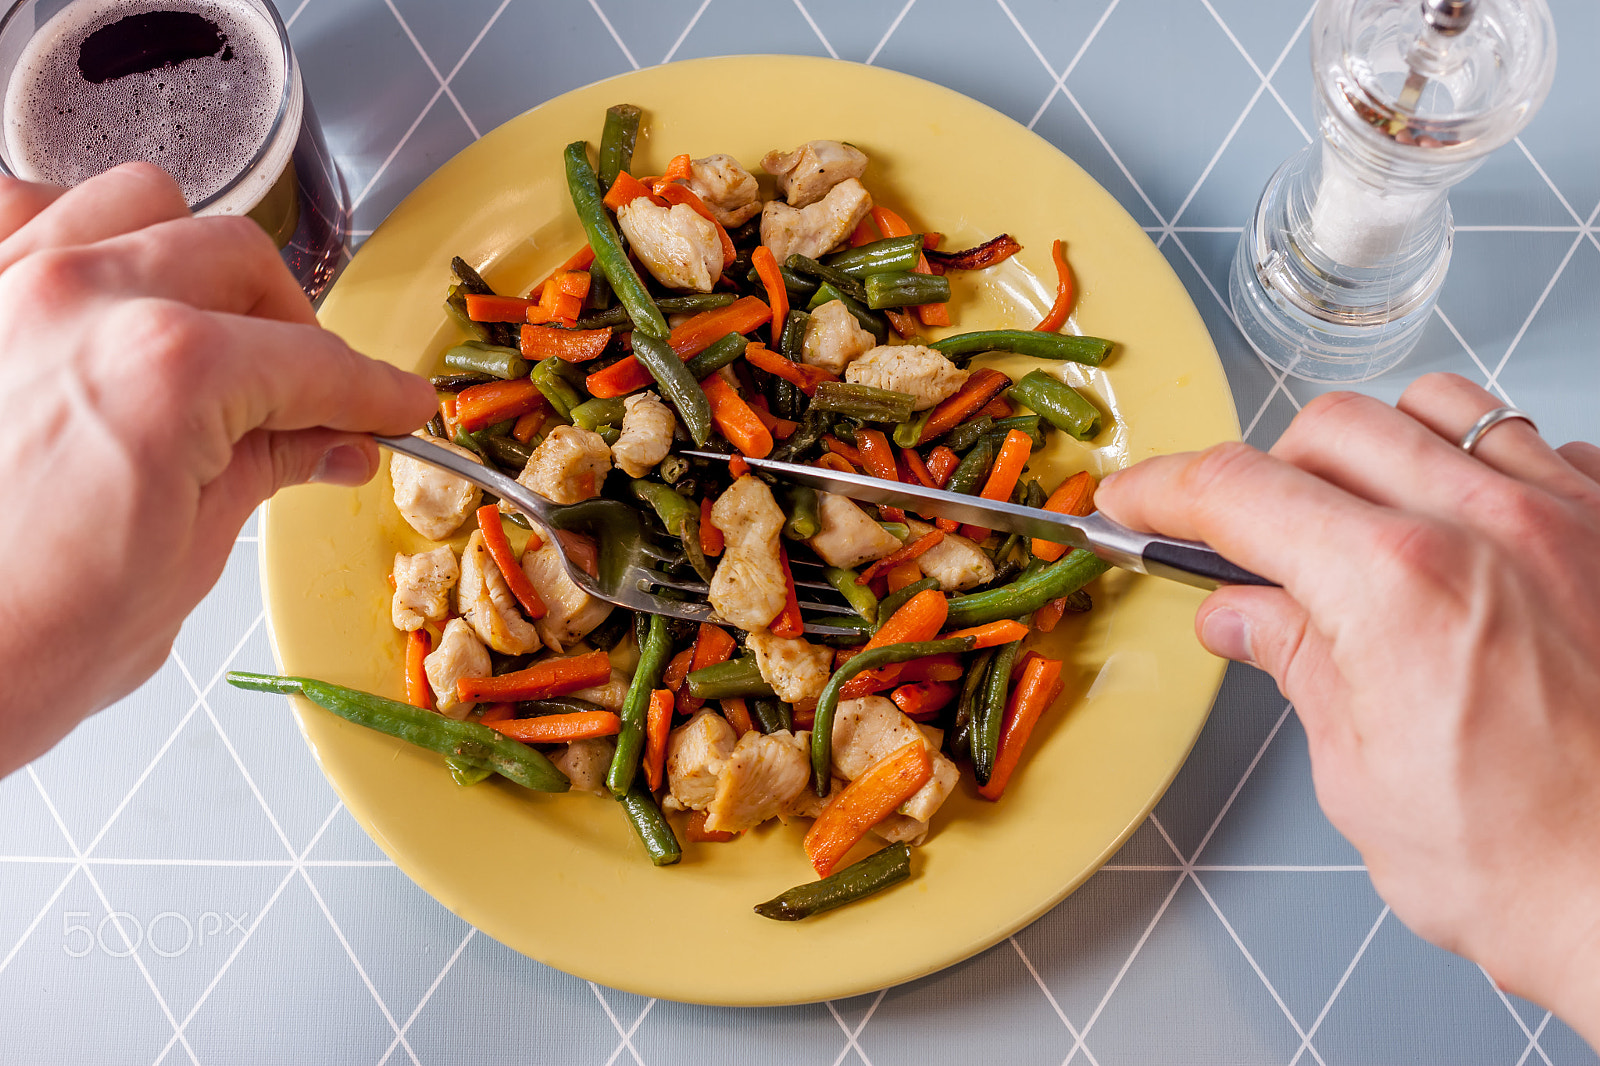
<point x="646" y="436"/>
<point x="760" y="777"/>
<point x="570" y="612"/>
<point x="610" y="695"/>
<point x="847" y="537"/>
<point x="817" y="229"/>
<point x="897" y="829"/>
<point x="459" y="654"/>
<point x="696" y="752"/>
<point x="681" y="249"/>
<point x="796" y="669"/>
<point x="726" y="188"/>
<point x="834" y="338"/>
<point x="956" y="562"/>
<point x="568" y="466"/>
<point x="434" y="502"/>
<point x="585" y="763"/>
<point x="487" y="604"/>
<point x="748" y="588"/>
<point x="868" y="730"/>
<point x="924" y="373"/>
<point x="806" y="174"/>
<point x="422" y="585"/>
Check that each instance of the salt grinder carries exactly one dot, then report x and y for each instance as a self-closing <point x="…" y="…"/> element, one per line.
<point x="1339" y="267"/>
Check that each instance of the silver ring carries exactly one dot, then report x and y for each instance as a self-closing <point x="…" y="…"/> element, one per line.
<point x="1470" y="439"/>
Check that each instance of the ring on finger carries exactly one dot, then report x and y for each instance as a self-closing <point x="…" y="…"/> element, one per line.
<point x="1469" y="439"/>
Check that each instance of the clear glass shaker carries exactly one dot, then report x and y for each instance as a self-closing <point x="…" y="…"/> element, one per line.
<point x="1339" y="267"/>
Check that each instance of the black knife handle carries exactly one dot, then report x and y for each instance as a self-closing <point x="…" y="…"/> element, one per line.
<point x="1196" y="564"/>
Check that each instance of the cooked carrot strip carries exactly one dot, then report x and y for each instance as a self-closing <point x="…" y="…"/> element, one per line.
<point x="992" y="635"/>
<point x="932" y="668"/>
<point x="494" y="538"/>
<point x="489" y="308"/>
<point x="573" y="283"/>
<point x="627" y="189"/>
<point x="903" y="321"/>
<point x="999" y="407"/>
<point x="780" y="428"/>
<point x="983" y="385"/>
<point x="877" y="458"/>
<point x="1063" y="305"/>
<point x="448" y="402"/>
<point x="803" y="376"/>
<point x="528" y="425"/>
<point x="834" y="461"/>
<point x="418" y="692"/>
<point x="690" y="338"/>
<point x="942" y="462"/>
<point x="987" y="254"/>
<point x="497" y="712"/>
<point x="900" y="575"/>
<point x="805" y="717"/>
<point x="677" y="669"/>
<point x="658" y="723"/>
<point x="901" y="555"/>
<point x="1014" y="453"/>
<point x="1046" y="618"/>
<point x="738" y="715"/>
<point x="734" y="417"/>
<point x="737" y="466"/>
<point x="553" y="677"/>
<point x="533" y="543"/>
<point x="580" y="261"/>
<point x="560" y="728"/>
<point x="863" y="233"/>
<point x="712" y="645"/>
<point x="711" y="541"/>
<point x="580" y="549"/>
<point x="1074" y="497"/>
<point x="788" y="623"/>
<point x="1029" y="700"/>
<point x="921" y="700"/>
<point x="919" y="618"/>
<point x="917" y="468"/>
<point x="495" y="401"/>
<point x="766" y="265"/>
<point x="696" y="832"/>
<point x="865" y="802"/>
<point x="571" y="345"/>
<point x="847" y="452"/>
<point x="678" y="169"/>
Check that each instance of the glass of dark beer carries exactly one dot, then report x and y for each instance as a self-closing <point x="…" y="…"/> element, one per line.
<point x="209" y="90"/>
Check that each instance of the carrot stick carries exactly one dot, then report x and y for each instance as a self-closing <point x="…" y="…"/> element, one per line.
<point x="448" y="402"/>
<point x="766" y="265"/>
<point x="735" y="418"/>
<point x="780" y="428"/>
<point x="933" y="668"/>
<point x="553" y="677"/>
<point x="494" y="538"/>
<point x="865" y="802"/>
<point x="489" y="308"/>
<point x="999" y="407"/>
<point x="833" y="461"/>
<point x="658" y="722"/>
<point x="678" y="169"/>
<point x="992" y="635"/>
<point x="712" y="645"/>
<point x="1014" y="453"/>
<point x="711" y="541"/>
<point x="418" y="692"/>
<point x="528" y="425"/>
<point x="1057" y="316"/>
<point x="495" y="401"/>
<point x="917" y="468"/>
<point x="1046" y="618"/>
<point x="802" y="375"/>
<point x="497" y="712"/>
<point x="571" y="345"/>
<point x="627" y="189"/>
<point x="942" y="462"/>
<point x="788" y="623"/>
<point x="922" y="700"/>
<point x="690" y="338"/>
<point x="696" y="832"/>
<point x="919" y="618"/>
<point x="983" y="385"/>
<point x="1029" y="701"/>
<point x="863" y="233"/>
<point x="1075" y="496"/>
<point x="902" y="574"/>
<point x="738" y="715"/>
<point x="582" y="259"/>
<point x="677" y="670"/>
<point x="844" y="451"/>
<point x="559" y="728"/>
<point x="877" y="457"/>
<point x="901" y="555"/>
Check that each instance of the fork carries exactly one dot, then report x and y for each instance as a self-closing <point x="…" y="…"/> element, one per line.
<point x="624" y="578"/>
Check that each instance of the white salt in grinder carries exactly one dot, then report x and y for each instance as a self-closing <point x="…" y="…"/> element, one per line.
<point x="1339" y="267"/>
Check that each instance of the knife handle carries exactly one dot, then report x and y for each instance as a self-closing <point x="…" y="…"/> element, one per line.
<point x="1195" y="564"/>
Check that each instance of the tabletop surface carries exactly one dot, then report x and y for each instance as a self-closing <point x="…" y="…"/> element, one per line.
<point x="1235" y="927"/>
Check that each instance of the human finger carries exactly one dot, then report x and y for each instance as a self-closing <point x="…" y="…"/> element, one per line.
<point x="123" y="199"/>
<point x="1584" y="457"/>
<point x="21" y="200"/>
<point x="1449" y="405"/>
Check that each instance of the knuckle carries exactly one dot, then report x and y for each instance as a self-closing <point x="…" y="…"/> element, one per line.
<point x="170" y="342"/>
<point x="1422" y="556"/>
<point x="1437" y="384"/>
<point x="1221" y="465"/>
<point x="54" y="274"/>
<point x="1331" y="412"/>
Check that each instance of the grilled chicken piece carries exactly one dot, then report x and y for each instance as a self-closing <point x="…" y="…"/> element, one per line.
<point x="646" y="435"/>
<point x="610" y="695"/>
<point x="726" y="187"/>
<point x="696" y="752"/>
<point x="847" y="537"/>
<point x="796" y="669"/>
<point x="568" y="466"/>
<point x="817" y="229"/>
<point x="433" y="501"/>
<point x="422" y="585"/>
<point x="868" y="730"/>
<point x="761" y="776"/>
<point x="459" y="654"/>
<point x="570" y="612"/>
<point x="748" y="588"/>
<point x="585" y="763"/>
<point x="806" y="174"/>
<point x="485" y="601"/>
<point x="922" y="372"/>
<point x="674" y="243"/>
<point x="955" y="561"/>
<point x="834" y="338"/>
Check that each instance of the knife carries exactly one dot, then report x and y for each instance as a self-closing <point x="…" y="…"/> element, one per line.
<point x="1187" y="561"/>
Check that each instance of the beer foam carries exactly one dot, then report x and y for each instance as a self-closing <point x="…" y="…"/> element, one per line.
<point x="203" y="120"/>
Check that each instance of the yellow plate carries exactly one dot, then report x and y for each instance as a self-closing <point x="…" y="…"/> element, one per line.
<point x="560" y="878"/>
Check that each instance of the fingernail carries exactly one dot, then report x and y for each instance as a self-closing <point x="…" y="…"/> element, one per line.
<point x="344" y="465"/>
<point x="1226" y="633"/>
<point x="1109" y="478"/>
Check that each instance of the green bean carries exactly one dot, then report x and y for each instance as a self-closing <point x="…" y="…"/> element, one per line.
<point x="990" y="712"/>
<point x="792" y="340"/>
<point x="803" y="522"/>
<point x="426" y="729"/>
<point x="677" y="384"/>
<point x="719" y="355"/>
<point x="607" y="244"/>
<point x="969" y="474"/>
<point x="1079" y="601"/>
<point x="617" y="139"/>
<point x="609" y="434"/>
<point x="650" y="825"/>
<point x="897" y="530"/>
<point x="436" y="426"/>
<point x="667" y="305"/>
<point x="1090" y="351"/>
<point x="857" y="631"/>
<point x="909" y="434"/>
<point x="548" y="380"/>
<point x="787" y="399"/>
<point x="729" y="680"/>
<point x="593" y="413"/>
<point x="467" y="772"/>
<point x="466" y="440"/>
<point x="457" y="382"/>
<point x="478" y="358"/>
<point x="681" y="518"/>
<point x="857" y="881"/>
<point x="797" y="285"/>
<point x="896" y="600"/>
<point x="653" y="654"/>
<point x="609" y="634"/>
<point x="455" y="305"/>
<point x="828" y="702"/>
<point x="812" y="428"/>
<point x="1036" y="496"/>
<point x="1028" y="424"/>
<point x="841" y="282"/>
<point x="878" y="257"/>
<point x="1058" y="403"/>
<point x="556" y="705"/>
<point x="906" y="288"/>
<point x="967" y="434"/>
<point x="863" y="401"/>
<point x="771" y="714"/>
<point x="599" y="298"/>
<point x="857" y="595"/>
<point x="507" y="452"/>
<point x="958" y="738"/>
<point x="472" y="282"/>
<point x="1029" y="592"/>
<point x="870" y="320"/>
<point x="1007" y="546"/>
